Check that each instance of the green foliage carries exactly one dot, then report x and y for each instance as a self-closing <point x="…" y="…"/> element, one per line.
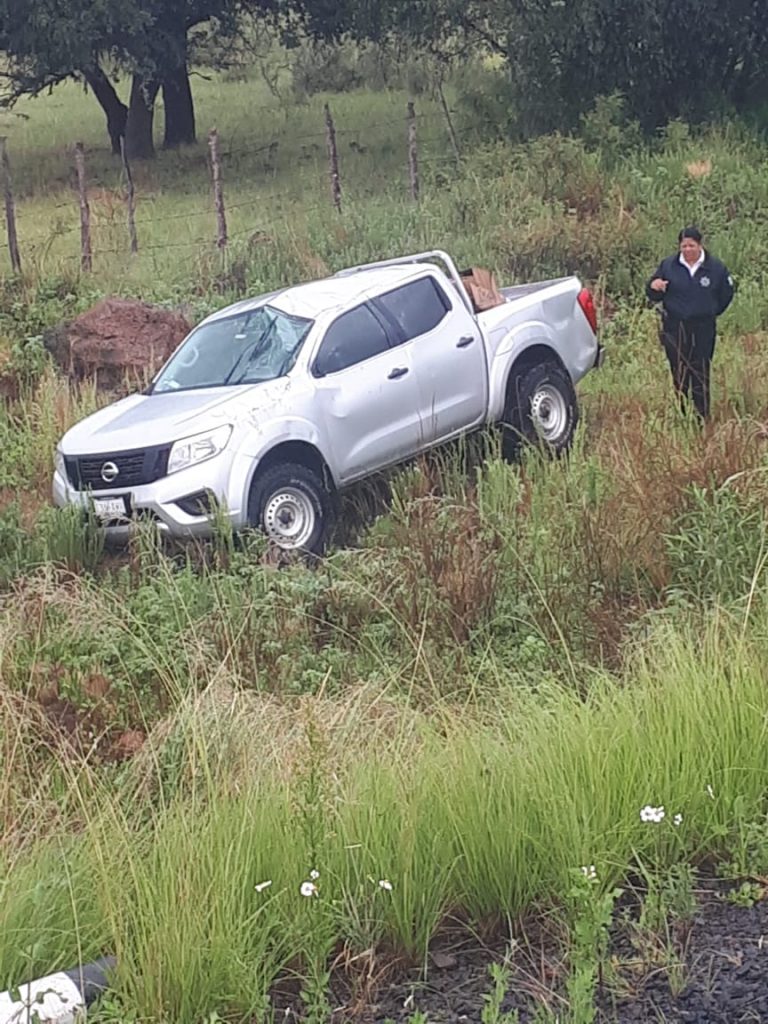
<point x="319" y="66"/>
<point x="591" y="913"/>
<point x="749" y="844"/>
<point x="746" y="895"/>
<point x="492" y="1012"/>
<point x="561" y="57"/>
<point x="431" y="803"/>
<point x="718" y="550"/>
<point x="607" y="130"/>
<point x="669" y="898"/>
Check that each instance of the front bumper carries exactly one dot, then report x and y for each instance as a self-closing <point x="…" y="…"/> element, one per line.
<point x="225" y="477"/>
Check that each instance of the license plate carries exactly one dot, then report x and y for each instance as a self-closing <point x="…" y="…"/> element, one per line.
<point x="107" y="509"/>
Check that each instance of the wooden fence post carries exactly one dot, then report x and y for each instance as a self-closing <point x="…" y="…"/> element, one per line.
<point x="130" y="198"/>
<point x="449" y="123"/>
<point x="413" y="156"/>
<point x="333" y="159"/>
<point x="10" y="209"/>
<point x="86" y="255"/>
<point x="218" y="192"/>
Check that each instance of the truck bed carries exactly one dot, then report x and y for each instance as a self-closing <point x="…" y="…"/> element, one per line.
<point x="519" y="291"/>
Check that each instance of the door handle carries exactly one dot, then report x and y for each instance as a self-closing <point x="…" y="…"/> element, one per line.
<point x="399" y="371"/>
<point x="463" y="342"/>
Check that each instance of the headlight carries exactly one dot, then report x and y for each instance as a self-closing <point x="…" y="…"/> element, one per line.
<point x="198" y="448"/>
<point x="58" y="464"/>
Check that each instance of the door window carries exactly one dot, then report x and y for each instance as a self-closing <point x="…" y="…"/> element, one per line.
<point x="354" y="337"/>
<point x="416" y="308"/>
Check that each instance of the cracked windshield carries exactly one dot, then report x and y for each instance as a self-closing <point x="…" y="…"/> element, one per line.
<point x="259" y="345"/>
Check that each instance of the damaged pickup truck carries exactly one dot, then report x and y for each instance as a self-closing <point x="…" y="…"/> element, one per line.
<point x="271" y="406"/>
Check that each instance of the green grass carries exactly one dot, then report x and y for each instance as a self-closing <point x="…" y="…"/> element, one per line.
<point x="491" y="674"/>
<point x="477" y="813"/>
<point x="274" y="197"/>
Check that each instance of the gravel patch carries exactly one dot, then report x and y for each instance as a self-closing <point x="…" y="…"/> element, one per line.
<point x="711" y="969"/>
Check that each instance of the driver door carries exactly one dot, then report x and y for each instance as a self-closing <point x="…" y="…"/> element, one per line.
<point x="367" y="393"/>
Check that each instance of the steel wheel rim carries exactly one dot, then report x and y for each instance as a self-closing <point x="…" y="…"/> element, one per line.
<point x="289" y="518"/>
<point x="549" y="412"/>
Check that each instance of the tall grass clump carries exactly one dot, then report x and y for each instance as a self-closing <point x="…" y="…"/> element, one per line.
<point x="370" y="821"/>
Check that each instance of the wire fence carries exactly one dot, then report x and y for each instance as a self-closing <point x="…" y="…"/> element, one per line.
<point x="221" y="153"/>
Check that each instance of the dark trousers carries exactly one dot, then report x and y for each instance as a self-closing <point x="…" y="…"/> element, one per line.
<point x="690" y="346"/>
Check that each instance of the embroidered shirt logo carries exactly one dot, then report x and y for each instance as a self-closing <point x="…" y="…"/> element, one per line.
<point x="705" y="282"/>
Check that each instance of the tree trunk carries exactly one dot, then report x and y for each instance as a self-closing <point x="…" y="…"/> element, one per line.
<point x="179" y="108"/>
<point x="110" y="102"/>
<point x="139" y="141"/>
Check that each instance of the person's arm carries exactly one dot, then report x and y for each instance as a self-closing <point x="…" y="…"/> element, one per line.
<point x="725" y="292"/>
<point x="657" y="285"/>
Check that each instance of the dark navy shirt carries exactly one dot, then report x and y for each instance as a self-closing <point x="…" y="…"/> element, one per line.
<point x="707" y="293"/>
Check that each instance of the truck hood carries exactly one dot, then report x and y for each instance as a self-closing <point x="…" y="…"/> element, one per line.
<point x="139" y="421"/>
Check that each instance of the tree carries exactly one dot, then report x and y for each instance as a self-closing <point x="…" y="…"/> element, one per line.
<point x="52" y="40"/>
<point x="668" y="58"/>
<point x="151" y="41"/>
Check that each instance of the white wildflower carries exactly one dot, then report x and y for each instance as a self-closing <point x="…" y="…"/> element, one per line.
<point x="314" y="875"/>
<point x="677" y="820"/>
<point x="263" y="885"/>
<point x="589" y="872"/>
<point x="711" y="792"/>
<point x="384" y="883"/>
<point x="652" y="814"/>
<point x="308" y="889"/>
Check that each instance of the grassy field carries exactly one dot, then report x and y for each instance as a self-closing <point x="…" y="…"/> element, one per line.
<point x="496" y="669"/>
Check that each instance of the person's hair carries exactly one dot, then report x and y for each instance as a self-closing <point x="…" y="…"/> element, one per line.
<point x="690" y="232"/>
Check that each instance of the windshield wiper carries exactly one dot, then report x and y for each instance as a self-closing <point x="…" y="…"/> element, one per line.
<point x="256" y="349"/>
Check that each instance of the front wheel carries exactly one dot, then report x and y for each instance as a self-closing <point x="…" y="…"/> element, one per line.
<point x="541" y="409"/>
<point x="292" y="507"/>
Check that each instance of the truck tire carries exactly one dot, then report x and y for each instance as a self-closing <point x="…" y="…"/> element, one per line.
<point x="541" y="409"/>
<point x="291" y="506"/>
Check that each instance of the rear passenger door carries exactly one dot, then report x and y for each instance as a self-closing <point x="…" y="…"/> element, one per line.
<point x="367" y="394"/>
<point x="445" y="347"/>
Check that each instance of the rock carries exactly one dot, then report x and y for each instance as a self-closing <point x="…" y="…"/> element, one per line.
<point x="116" y="338"/>
<point x="444" y="961"/>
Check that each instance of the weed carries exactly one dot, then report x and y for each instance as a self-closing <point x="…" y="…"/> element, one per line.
<point x="746" y="895"/>
<point x="492" y="1012"/>
<point x="591" y="914"/>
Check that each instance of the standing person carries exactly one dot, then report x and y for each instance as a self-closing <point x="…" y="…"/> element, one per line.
<point x="694" y="289"/>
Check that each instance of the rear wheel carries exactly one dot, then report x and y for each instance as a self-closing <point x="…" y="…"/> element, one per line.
<point x="541" y="409"/>
<point x="292" y="507"/>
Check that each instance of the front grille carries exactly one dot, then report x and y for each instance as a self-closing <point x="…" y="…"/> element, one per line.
<point x="134" y="468"/>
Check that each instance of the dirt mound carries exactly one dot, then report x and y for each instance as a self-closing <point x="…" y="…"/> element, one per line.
<point x="117" y="338"/>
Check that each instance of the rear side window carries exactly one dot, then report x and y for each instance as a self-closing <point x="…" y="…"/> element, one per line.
<point x="354" y="337"/>
<point x="415" y="308"/>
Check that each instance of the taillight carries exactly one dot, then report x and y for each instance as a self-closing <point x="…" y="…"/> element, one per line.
<point x="587" y="304"/>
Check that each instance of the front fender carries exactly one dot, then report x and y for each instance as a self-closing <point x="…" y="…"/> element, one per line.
<point x="263" y="436"/>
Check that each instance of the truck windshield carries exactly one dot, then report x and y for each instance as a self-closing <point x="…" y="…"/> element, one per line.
<point x="258" y="345"/>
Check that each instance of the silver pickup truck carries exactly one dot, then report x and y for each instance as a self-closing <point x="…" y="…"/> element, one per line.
<point x="271" y="406"/>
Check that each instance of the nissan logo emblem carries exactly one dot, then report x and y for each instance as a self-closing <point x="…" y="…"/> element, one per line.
<point x="109" y="472"/>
